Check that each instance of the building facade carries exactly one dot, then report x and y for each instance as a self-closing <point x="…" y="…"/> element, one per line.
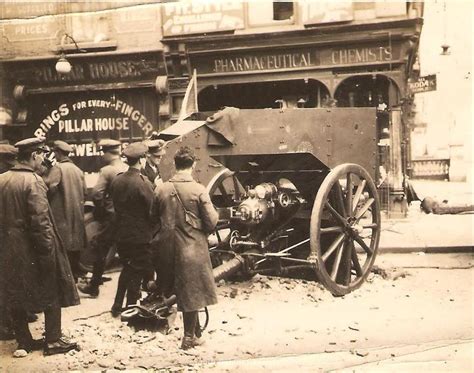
<point x="303" y="54"/>
<point x="130" y="75"/>
<point x="81" y="72"/>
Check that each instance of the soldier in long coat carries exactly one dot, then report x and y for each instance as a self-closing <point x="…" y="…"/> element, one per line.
<point x="66" y="194"/>
<point x="35" y="274"/>
<point x="132" y="194"/>
<point x="186" y="216"/>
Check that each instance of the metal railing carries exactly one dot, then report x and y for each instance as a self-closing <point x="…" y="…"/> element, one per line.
<point x="432" y="168"/>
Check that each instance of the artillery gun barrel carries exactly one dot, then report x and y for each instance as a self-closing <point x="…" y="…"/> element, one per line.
<point x="228" y="268"/>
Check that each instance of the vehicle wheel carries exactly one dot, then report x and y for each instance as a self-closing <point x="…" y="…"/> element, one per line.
<point x="345" y="228"/>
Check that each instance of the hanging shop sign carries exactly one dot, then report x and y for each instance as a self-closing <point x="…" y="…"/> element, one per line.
<point x="186" y="17"/>
<point x="123" y="68"/>
<point x="84" y="119"/>
<point x="290" y="59"/>
<point x="423" y="84"/>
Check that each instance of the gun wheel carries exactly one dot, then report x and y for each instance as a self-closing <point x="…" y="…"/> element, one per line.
<point x="345" y="229"/>
<point x="224" y="190"/>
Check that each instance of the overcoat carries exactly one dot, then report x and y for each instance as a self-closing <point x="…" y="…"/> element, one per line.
<point x="181" y="250"/>
<point x="34" y="268"/>
<point x="66" y="194"/>
<point x="132" y="195"/>
<point x="102" y="194"/>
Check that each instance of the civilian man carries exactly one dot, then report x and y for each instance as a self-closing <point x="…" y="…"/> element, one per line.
<point x="186" y="216"/>
<point x="156" y="151"/>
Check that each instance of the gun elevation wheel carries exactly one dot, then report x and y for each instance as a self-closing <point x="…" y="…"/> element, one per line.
<point x="345" y="228"/>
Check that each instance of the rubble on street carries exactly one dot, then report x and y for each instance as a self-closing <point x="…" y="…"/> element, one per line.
<point x="272" y="316"/>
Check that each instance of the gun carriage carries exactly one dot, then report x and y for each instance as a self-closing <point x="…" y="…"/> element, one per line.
<point x="294" y="191"/>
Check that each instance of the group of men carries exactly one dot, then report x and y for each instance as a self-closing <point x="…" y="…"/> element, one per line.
<point x="42" y="232"/>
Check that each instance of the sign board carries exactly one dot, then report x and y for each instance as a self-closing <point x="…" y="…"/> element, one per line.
<point x="296" y="58"/>
<point x="117" y="68"/>
<point x="30" y="30"/>
<point x="423" y="84"/>
<point x="186" y="17"/>
<point x="83" y="118"/>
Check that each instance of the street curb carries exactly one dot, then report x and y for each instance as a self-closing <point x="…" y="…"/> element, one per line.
<point x="426" y="249"/>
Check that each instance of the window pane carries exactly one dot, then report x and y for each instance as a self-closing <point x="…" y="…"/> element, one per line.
<point x="282" y="10"/>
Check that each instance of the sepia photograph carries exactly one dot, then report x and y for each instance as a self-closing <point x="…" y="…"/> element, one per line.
<point x="236" y="186"/>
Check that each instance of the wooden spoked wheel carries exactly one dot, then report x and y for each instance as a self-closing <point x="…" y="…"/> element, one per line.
<point x="224" y="188"/>
<point x="345" y="228"/>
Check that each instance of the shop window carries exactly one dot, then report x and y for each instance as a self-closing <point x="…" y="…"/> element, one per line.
<point x="282" y="10"/>
<point x="365" y="91"/>
<point x="286" y="94"/>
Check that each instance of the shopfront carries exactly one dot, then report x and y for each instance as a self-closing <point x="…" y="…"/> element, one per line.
<point x="112" y="96"/>
<point x="358" y="68"/>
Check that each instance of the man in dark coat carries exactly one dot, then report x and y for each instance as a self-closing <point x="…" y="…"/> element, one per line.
<point x="156" y="151"/>
<point x="104" y="212"/>
<point x="8" y="155"/>
<point x="132" y="195"/>
<point x="187" y="216"/>
<point x="66" y="194"/>
<point x="34" y="271"/>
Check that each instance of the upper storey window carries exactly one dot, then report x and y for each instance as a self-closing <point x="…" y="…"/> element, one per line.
<point x="282" y="10"/>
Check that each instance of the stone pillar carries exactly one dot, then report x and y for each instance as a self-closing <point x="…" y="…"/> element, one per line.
<point x="397" y="203"/>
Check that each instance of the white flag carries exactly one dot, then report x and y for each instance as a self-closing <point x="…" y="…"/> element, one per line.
<point x="190" y="101"/>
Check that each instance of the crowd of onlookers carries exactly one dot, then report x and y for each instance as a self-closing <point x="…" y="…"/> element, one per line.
<point x="159" y="230"/>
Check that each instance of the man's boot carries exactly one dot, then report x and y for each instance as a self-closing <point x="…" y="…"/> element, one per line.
<point x="56" y="343"/>
<point x="189" y="338"/>
<point x="61" y="346"/>
<point x="90" y="289"/>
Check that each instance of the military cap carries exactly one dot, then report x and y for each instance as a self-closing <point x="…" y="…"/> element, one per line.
<point x="156" y="147"/>
<point x="31" y="144"/>
<point x="135" y="150"/>
<point x="109" y="144"/>
<point x="63" y="146"/>
<point x="8" y="150"/>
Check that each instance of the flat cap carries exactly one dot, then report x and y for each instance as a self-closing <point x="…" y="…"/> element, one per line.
<point x="109" y="144"/>
<point x="156" y="147"/>
<point x="31" y="144"/>
<point x="135" y="150"/>
<point x="63" y="146"/>
<point x="8" y="150"/>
